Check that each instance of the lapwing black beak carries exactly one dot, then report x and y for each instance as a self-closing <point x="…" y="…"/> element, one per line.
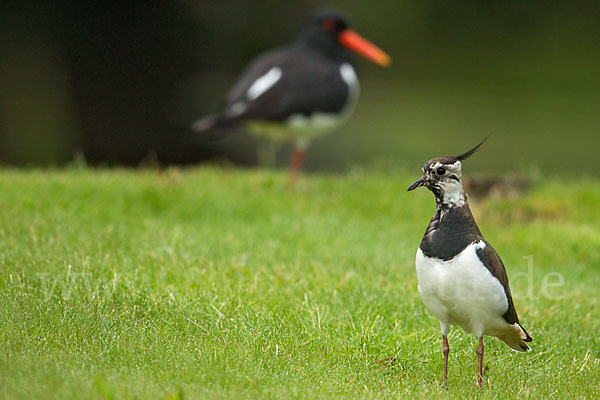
<point x="418" y="183"/>
<point x="353" y="41"/>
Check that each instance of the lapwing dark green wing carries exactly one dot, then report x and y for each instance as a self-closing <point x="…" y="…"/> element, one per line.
<point x="462" y="280"/>
<point x="298" y="91"/>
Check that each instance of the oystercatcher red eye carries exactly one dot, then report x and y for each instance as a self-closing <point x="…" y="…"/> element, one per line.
<point x="329" y="24"/>
<point x="441" y="171"/>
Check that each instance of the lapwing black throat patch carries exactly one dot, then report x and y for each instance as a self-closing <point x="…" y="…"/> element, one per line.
<point x="449" y="232"/>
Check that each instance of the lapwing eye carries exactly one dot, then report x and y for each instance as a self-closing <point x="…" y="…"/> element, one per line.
<point x="441" y="171"/>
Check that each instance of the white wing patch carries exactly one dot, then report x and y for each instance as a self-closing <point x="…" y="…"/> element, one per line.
<point x="264" y="83"/>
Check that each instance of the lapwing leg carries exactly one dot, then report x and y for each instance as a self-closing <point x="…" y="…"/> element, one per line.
<point x="445" y="350"/>
<point x="480" y="361"/>
<point x="296" y="162"/>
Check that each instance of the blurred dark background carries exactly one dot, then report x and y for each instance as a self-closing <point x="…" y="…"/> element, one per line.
<point x="111" y="83"/>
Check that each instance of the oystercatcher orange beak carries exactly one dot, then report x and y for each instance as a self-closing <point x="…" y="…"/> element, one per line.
<point x="353" y="41"/>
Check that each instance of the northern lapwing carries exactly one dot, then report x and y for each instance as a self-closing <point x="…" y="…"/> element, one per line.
<point x="298" y="91"/>
<point x="462" y="280"/>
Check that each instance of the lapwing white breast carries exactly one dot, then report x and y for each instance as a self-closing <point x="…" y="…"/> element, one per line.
<point x="300" y="90"/>
<point x="462" y="280"/>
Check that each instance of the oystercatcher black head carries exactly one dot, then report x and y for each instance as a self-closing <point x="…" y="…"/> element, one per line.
<point x="462" y="280"/>
<point x="322" y="28"/>
<point x="299" y="91"/>
<point x="328" y="29"/>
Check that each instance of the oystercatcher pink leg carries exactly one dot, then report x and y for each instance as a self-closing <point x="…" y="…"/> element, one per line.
<point x="296" y="163"/>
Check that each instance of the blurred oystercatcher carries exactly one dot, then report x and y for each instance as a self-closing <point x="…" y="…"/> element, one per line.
<point x="298" y="91"/>
<point x="462" y="280"/>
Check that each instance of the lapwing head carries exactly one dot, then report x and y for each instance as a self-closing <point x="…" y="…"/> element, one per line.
<point x="327" y="28"/>
<point x="443" y="177"/>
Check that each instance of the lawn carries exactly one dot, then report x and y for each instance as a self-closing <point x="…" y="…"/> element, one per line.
<point x="221" y="283"/>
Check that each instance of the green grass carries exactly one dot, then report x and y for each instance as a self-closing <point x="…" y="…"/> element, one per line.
<point x="222" y="283"/>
